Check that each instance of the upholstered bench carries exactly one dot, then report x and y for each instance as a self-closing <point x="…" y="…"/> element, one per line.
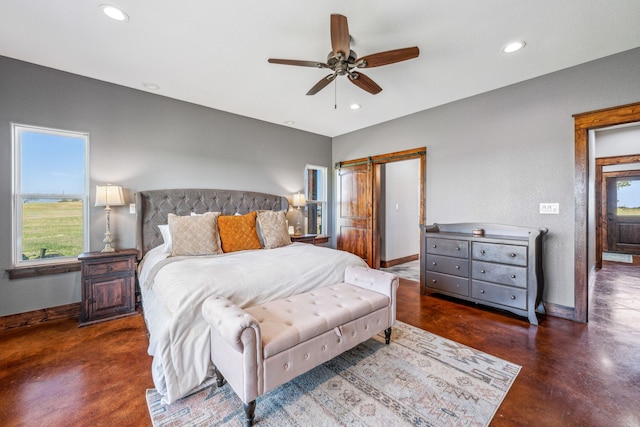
<point x="259" y="348"/>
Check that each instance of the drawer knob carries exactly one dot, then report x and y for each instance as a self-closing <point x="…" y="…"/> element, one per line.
<point x="457" y="248"/>
<point x="434" y="281"/>
<point x="482" y="251"/>
<point x="513" y="276"/>
<point x="457" y="267"/>
<point x="109" y="268"/>
<point x="434" y="263"/>
<point x="513" y="255"/>
<point x="435" y="246"/>
<point x="482" y="291"/>
<point x="513" y="297"/>
<point x="482" y="271"/>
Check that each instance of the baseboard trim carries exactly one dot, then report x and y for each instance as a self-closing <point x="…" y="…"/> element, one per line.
<point x="38" y="316"/>
<point x="560" y="311"/>
<point x="394" y="262"/>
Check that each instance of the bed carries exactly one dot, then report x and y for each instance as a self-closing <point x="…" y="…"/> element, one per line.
<point x="173" y="285"/>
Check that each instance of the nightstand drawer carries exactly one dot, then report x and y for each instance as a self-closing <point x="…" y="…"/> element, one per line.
<point x="100" y="268"/>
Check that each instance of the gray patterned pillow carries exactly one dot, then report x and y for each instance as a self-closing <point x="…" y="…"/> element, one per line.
<point x="195" y="235"/>
<point x="273" y="227"/>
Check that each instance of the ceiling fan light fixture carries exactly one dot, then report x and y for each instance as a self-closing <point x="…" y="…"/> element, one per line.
<point x="151" y="86"/>
<point x="514" y="47"/>
<point x="355" y="106"/>
<point x="114" y="13"/>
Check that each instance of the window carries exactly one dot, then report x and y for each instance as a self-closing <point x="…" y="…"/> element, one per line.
<point x="316" y="194"/>
<point x="50" y="195"/>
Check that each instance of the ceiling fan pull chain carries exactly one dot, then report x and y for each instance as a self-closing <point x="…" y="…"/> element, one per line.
<point x="335" y="94"/>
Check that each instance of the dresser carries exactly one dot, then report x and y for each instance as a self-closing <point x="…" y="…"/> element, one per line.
<point x="501" y="268"/>
<point x="108" y="285"/>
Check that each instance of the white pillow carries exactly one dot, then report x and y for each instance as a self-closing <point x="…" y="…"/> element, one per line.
<point x="166" y="236"/>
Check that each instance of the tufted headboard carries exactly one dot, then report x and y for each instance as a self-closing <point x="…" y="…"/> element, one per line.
<point x="154" y="206"/>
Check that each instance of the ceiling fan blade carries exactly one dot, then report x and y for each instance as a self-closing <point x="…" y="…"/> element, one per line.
<point x="340" y="40"/>
<point x="322" y="84"/>
<point x="364" y="83"/>
<point x="389" y="57"/>
<point x="313" y="64"/>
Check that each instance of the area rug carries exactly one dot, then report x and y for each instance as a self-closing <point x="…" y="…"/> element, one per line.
<point x="409" y="270"/>
<point x="420" y="379"/>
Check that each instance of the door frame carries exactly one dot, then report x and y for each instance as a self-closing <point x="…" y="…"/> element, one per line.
<point x="584" y="123"/>
<point x="375" y="170"/>
<point x="600" y="197"/>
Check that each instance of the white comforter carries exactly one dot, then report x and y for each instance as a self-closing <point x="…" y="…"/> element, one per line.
<point x="174" y="289"/>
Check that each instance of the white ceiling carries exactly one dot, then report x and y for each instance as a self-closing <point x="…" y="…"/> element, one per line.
<point x="214" y="53"/>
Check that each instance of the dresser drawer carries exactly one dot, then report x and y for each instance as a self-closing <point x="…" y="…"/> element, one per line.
<point x="115" y="266"/>
<point x="505" y="254"/>
<point x="504" y="295"/>
<point x="448" y="265"/>
<point x="455" y="248"/>
<point x="499" y="273"/>
<point x="451" y="284"/>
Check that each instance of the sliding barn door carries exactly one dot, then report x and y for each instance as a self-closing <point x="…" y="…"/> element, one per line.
<point x="355" y="217"/>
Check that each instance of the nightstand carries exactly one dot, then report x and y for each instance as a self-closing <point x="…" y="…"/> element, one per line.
<point x="304" y="238"/>
<point x="108" y="285"/>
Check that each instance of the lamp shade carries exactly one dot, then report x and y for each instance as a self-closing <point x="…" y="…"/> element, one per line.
<point x="299" y="200"/>
<point x="109" y="195"/>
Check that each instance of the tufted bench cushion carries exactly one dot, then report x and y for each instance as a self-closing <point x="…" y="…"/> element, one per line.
<point x="262" y="347"/>
<point x="287" y="322"/>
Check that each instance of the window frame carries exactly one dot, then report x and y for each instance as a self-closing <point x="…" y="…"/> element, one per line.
<point x="18" y="196"/>
<point x="322" y="202"/>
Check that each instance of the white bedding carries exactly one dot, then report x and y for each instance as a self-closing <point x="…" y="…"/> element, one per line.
<point x="173" y="290"/>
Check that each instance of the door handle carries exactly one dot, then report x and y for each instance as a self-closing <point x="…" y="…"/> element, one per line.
<point x="610" y="217"/>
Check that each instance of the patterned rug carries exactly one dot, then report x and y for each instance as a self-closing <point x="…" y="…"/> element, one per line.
<point x="420" y="379"/>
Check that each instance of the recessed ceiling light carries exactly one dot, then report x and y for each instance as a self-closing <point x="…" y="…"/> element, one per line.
<point x="289" y="122"/>
<point x="355" y="106"/>
<point x="151" y="86"/>
<point x="114" y="12"/>
<point x="514" y="46"/>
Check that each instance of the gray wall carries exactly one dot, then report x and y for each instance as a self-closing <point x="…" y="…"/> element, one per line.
<point x="494" y="157"/>
<point x="140" y="141"/>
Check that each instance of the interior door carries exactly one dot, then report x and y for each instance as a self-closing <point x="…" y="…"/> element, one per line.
<point x="355" y="217"/>
<point x="623" y="214"/>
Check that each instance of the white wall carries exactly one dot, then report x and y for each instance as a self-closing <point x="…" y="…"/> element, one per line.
<point x="496" y="156"/>
<point x="402" y="210"/>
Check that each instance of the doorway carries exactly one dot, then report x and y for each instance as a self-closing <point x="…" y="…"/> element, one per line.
<point x="359" y="198"/>
<point x="584" y="252"/>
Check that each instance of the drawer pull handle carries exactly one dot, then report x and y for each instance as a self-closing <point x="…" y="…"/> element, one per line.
<point x="109" y="268"/>
<point x="482" y="271"/>
<point x="513" y="276"/>
<point x="482" y="291"/>
<point x="513" y="255"/>
<point x="513" y="297"/>
<point x="482" y="251"/>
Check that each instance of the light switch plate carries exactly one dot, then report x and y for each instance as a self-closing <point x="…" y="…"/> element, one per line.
<point x="132" y="208"/>
<point x="550" y="208"/>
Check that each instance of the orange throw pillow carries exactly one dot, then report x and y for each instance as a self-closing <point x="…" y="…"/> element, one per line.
<point x="238" y="232"/>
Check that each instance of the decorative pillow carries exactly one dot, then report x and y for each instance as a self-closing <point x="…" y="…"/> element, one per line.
<point x="194" y="235"/>
<point x="166" y="237"/>
<point x="273" y="227"/>
<point x="238" y="232"/>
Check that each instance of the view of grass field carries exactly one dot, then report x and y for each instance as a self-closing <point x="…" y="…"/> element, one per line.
<point x="53" y="226"/>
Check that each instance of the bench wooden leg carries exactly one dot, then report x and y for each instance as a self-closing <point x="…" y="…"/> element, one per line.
<point x="387" y="335"/>
<point x="219" y="377"/>
<point x="249" y="412"/>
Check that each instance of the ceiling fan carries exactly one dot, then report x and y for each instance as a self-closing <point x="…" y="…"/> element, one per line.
<point x="343" y="61"/>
